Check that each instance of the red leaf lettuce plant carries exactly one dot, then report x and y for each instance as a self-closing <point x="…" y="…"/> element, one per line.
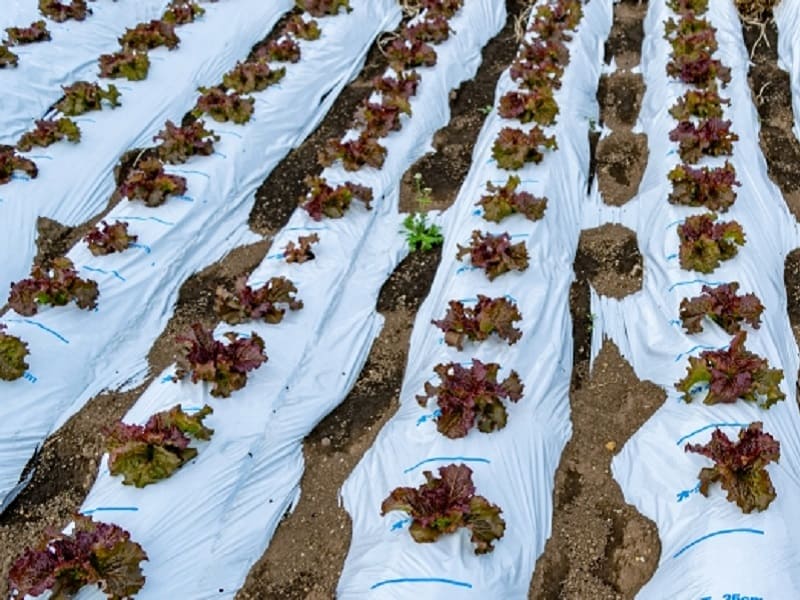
<point x="490" y="315"/>
<point x="145" y="454"/>
<point x="149" y="183"/>
<point x="739" y="466"/>
<point x="109" y="238"/>
<point x="224" y="366"/>
<point x="495" y="254"/>
<point x="58" y="286"/>
<point x="94" y="554"/>
<point x="732" y="374"/>
<point x="13" y="352"/>
<point x="705" y="243"/>
<point x="444" y="504"/>
<point x="267" y="303"/>
<point x="469" y="397"/>
<point x="724" y="307"/>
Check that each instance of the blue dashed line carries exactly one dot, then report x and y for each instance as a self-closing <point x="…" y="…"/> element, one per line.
<point x="703" y="281"/>
<point x="155" y="219"/>
<point x="144" y="247"/>
<point x="233" y="133"/>
<point x="716" y="533"/>
<point x="30" y="377"/>
<point x="40" y="157"/>
<point x="105" y="272"/>
<point x="464" y="584"/>
<point x="400" y="524"/>
<point x="678" y="222"/>
<point x="40" y="326"/>
<point x="191" y="172"/>
<point x="698" y="347"/>
<point x="185" y="198"/>
<point x="448" y="458"/>
<point x="321" y="228"/>
<point x="711" y="426"/>
<point x="218" y="153"/>
<point x="111" y="509"/>
<point x="672" y="256"/>
<point x="675" y="322"/>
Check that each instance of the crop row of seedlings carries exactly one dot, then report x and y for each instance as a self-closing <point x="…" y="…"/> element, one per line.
<point x="37" y="31"/>
<point x="58" y="284"/>
<point x="466" y="393"/>
<point x="131" y="62"/>
<point x="224" y="366"/>
<point x="319" y="208"/>
<point x="727" y="296"/>
<point x="705" y="241"/>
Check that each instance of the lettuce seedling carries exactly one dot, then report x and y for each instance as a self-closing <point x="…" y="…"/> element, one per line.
<point x="444" y="504"/>
<point x="495" y="254"/>
<point x="705" y="243"/>
<point x="740" y="466"/>
<point x="145" y="454"/>
<point x="503" y="201"/>
<point x="732" y="374"/>
<point x="224" y="366"/>
<point x="267" y="303"/>
<point x="13" y="352"/>
<point x="724" y="307"/>
<point x="58" y="286"/>
<point x="470" y="396"/>
<point x="100" y="555"/>
<point x="490" y="315"/>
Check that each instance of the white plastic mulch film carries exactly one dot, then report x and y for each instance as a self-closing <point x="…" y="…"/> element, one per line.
<point x="76" y="181"/>
<point x="787" y="17"/>
<point x="233" y="495"/>
<point x="28" y="90"/>
<point x="71" y="357"/>
<point x="513" y="467"/>
<point x="709" y="548"/>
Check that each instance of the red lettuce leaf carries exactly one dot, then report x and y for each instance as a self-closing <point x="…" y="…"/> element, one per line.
<point x="13" y="352"/>
<point x="267" y="303"/>
<point x="513" y="147"/>
<point x="145" y="454"/>
<point x="58" y="286"/>
<point x="472" y="396"/>
<point x="732" y="374"/>
<point x="503" y="201"/>
<point x="149" y="183"/>
<point x="705" y="243"/>
<point x="446" y="503"/>
<point x="109" y="238"/>
<point x="724" y="307"/>
<point x="740" y="466"/>
<point x="495" y="254"/>
<point x="224" y="366"/>
<point x="94" y="554"/>
<point x="490" y="315"/>
<point x="300" y="251"/>
<point x="324" y="200"/>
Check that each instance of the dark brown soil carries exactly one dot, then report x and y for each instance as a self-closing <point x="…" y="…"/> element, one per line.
<point x="624" y="44"/>
<point x="600" y="547"/>
<point x="791" y="278"/>
<point x="609" y="258"/>
<point x="621" y="160"/>
<point x="620" y="95"/>
<point x="772" y="95"/>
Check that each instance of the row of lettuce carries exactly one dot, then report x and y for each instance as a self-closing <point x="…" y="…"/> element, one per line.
<point x="727" y="375"/>
<point x="144" y="454"/>
<point x="471" y="395"/>
<point x="101" y="554"/>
